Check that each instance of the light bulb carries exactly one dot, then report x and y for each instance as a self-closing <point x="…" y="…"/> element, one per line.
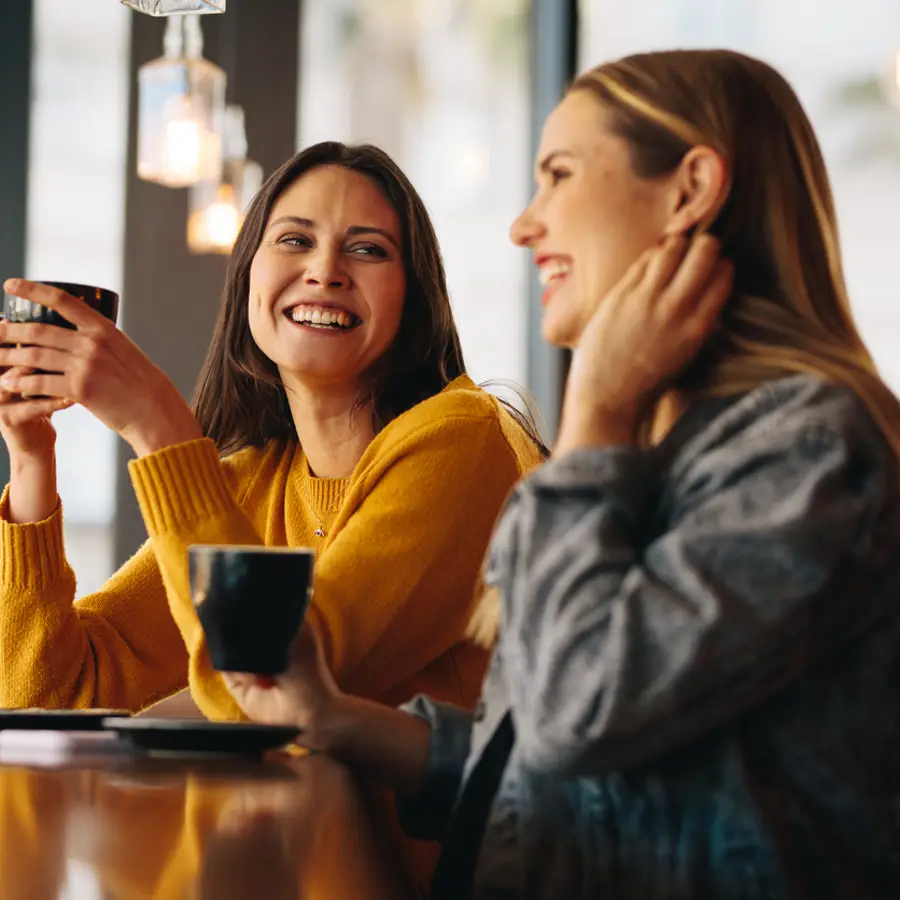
<point x="223" y="222"/>
<point x="214" y="225"/>
<point x="183" y="148"/>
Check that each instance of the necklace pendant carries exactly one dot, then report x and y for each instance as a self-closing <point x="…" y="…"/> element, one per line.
<point x="318" y="532"/>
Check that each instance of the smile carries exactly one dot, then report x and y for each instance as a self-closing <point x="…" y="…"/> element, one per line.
<point x="323" y="318"/>
<point x="553" y="270"/>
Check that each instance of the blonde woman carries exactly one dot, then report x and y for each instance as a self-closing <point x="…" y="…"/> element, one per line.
<point x="694" y="691"/>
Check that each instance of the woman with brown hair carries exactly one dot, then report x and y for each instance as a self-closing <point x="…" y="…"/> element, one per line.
<point x="333" y="411"/>
<point x="694" y="604"/>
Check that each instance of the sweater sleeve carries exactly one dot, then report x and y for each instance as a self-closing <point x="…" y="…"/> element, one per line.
<point x="186" y="498"/>
<point x="394" y="586"/>
<point x="117" y="648"/>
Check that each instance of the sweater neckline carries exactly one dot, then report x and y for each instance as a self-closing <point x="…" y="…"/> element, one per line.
<point x="325" y="494"/>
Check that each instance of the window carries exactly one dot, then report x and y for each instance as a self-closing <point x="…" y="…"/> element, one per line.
<point x="833" y="54"/>
<point x="76" y="206"/>
<point x="441" y="85"/>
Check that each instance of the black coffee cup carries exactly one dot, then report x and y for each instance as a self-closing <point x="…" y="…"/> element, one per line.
<point x="251" y="602"/>
<point x="16" y="309"/>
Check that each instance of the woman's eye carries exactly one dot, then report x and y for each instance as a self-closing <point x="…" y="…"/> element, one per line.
<point x="369" y="250"/>
<point x="294" y="240"/>
<point x="558" y="175"/>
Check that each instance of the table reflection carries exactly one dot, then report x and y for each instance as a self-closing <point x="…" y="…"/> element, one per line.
<point x="167" y="829"/>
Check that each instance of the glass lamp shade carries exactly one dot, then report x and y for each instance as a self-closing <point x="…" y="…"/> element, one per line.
<point x="175" y="7"/>
<point x="216" y="208"/>
<point x="181" y="113"/>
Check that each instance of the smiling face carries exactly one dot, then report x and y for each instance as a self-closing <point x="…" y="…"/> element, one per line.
<point x="591" y="216"/>
<point x="327" y="282"/>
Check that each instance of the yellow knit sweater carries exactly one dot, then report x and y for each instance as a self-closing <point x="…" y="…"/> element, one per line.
<point x="394" y="577"/>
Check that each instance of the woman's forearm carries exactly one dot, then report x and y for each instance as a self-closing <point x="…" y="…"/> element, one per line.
<point x="386" y="744"/>
<point x="32" y="489"/>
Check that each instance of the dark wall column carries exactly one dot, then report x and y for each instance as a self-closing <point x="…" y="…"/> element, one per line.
<point x="554" y="48"/>
<point x="15" y="113"/>
<point x="171" y="298"/>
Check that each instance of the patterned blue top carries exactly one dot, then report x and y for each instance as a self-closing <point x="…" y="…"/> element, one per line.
<point x="701" y="660"/>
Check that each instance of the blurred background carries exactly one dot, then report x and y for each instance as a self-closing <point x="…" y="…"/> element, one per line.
<point x="455" y="90"/>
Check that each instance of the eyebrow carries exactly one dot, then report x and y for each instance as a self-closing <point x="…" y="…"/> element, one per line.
<point x="352" y="230"/>
<point x="547" y="162"/>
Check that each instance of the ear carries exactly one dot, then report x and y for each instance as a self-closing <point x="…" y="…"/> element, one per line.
<point x="700" y="185"/>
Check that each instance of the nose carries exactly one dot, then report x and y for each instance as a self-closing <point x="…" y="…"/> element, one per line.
<point x="527" y="228"/>
<point x="323" y="269"/>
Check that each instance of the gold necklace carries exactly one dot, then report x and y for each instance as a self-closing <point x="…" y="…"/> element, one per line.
<point x="320" y="531"/>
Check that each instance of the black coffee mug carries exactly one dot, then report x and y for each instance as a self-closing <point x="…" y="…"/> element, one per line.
<point x="251" y="602"/>
<point x="16" y="309"/>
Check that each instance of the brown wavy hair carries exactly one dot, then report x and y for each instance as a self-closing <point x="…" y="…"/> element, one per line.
<point x="240" y="400"/>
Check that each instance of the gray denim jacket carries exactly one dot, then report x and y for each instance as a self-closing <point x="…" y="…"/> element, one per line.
<point x="701" y="659"/>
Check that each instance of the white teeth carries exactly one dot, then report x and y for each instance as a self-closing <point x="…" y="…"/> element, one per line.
<point x="315" y="315"/>
<point x="553" y="269"/>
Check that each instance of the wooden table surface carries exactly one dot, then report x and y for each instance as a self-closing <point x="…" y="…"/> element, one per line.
<point x="118" y="827"/>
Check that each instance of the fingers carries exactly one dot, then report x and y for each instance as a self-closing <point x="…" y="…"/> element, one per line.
<point x="38" y="333"/>
<point x="12" y="396"/>
<point x="17" y="413"/>
<point x="34" y="357"/>
<point x="45" y="384"/>
<point x="693" y="276"/>
<point x="236" y="681"/>
<point x="635" y="273"/>
<point x="664" y="261"/>
<point x="70" y="308"/>
<point x="693" y="326"/>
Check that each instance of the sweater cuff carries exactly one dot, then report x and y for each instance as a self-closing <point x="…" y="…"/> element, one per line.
<point x="179" y="484"/>
<point x="32" y="555"/>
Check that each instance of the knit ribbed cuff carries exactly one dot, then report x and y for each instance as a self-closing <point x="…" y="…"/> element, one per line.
<point x="32" y="555"/>
<point x="180" y="484"/>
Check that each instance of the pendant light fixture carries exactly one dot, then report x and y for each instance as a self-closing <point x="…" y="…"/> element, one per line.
<point x="216" y="208"/>
<point x="175" y="7"/>
<point x="181" y="110"/>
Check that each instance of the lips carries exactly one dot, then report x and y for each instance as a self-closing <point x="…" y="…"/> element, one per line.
<point x="324" y="316"/>
<point x="552" y="268"/>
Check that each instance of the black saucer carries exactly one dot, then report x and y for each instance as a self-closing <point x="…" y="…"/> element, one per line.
<point x="57" y="719"/>
<point x="201" y="736"/>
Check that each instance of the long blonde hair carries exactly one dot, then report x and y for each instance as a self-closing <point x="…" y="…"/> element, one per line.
<point x="789" y="312"/>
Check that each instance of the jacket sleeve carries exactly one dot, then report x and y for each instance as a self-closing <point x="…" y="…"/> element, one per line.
<point x="116" y="648"/>
<point x="425" y="816"/>
<point x="620" y="647"/>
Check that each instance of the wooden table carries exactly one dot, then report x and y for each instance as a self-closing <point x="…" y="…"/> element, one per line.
<point x="120" y="826"/>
